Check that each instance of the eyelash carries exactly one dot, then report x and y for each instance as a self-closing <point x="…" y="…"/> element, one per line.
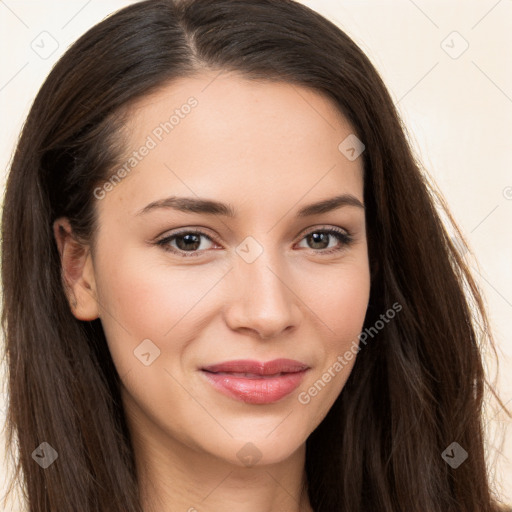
<point x="345" y="238"/>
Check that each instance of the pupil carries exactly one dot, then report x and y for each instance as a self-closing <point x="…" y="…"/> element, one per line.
<point x="316" y="237"/>
<point x="183" y="242"/>
<point x="190" y="238"/>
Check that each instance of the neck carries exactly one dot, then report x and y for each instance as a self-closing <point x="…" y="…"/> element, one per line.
<point x="174" y="476"/>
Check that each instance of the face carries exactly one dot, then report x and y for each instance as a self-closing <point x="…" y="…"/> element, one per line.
<point x="181" y="286"/>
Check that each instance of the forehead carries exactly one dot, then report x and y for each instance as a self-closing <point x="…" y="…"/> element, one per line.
<point x="226" y="102"/>
<point x="224" y="135"/>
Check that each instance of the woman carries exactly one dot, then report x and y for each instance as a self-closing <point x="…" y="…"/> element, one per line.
<point x="312" y="350"/>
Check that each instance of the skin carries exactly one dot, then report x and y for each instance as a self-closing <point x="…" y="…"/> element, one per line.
<point x="267" y="149"/>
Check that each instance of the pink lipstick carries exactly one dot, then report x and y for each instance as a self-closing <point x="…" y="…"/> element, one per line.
<point x="256" y="382"/>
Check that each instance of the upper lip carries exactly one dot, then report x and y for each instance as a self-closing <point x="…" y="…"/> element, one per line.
<point x="258" y="367"/>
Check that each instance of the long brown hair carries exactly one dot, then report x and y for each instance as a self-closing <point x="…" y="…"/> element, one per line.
<point x="416" y="388"/>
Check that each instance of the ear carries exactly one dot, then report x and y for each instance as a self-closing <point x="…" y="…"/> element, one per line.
<point x="77" y="272"/>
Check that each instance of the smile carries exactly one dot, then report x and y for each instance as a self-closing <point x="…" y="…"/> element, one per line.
<point x="256" y="382"/>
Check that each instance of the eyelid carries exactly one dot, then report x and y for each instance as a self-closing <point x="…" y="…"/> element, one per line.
<point x="324" y="227"/>
<point x="206" y="232"/>
<point x="345" y="241"/>
<point x="163" y="239"/>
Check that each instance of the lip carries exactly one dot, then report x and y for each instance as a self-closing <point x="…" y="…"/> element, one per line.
<point x="263" y="382"/>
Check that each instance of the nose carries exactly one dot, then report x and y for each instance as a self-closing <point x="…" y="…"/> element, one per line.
<point x="263" y="300"/>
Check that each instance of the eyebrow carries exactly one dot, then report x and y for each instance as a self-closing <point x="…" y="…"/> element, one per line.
<point x="211" y="207"/>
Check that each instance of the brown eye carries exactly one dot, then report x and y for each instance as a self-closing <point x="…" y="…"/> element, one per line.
<point x="187" y="243"/>
<point x="319" y="240"/>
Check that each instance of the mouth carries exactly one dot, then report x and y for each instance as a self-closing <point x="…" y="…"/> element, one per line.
<point x="249" y="375"/>
<point x="256" y="382"/>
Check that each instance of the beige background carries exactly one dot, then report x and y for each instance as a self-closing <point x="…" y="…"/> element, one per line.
<point x="456" y="103"/>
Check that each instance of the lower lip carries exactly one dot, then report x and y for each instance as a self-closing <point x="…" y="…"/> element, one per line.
<point x="264" y="390"/>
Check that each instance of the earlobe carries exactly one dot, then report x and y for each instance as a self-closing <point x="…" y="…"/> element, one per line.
<point x="77" y="272"/>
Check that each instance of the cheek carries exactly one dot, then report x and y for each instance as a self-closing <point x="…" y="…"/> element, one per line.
<point x="347" y="320"/>
<point x="142" y="299"/>
<point x="346" y="300"/>
<point x="341" y="308"/>
<point x="338" y="298"/>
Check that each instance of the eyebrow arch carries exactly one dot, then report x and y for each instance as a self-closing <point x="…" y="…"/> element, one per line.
<point x="210" y="207"/>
